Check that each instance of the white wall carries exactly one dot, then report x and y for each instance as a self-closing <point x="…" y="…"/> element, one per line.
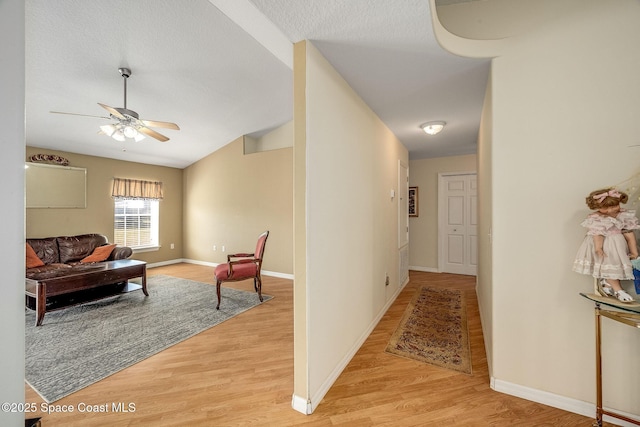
<point x="351" y="166"/>
<point x="565" y="107"/>
<point x="12" y="195"/>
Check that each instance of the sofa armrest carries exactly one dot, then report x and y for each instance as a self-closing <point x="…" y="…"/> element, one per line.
<point x="120" y="252"/>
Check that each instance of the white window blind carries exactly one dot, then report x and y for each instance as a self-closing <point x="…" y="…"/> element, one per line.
<point x="136" y="223"/>
<point x="136" y="212"/>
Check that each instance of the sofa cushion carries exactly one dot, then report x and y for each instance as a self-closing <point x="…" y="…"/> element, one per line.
<point x="32" y="259"/>
<point x="46" y="249"/>
<point x="75" y="248"/>
<point x="100" y="253"/>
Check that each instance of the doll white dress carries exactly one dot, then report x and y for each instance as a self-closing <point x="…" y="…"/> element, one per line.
<point x="616" y="263"/>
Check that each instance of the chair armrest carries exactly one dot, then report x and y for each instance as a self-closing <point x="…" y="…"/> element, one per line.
<point x="241" y="261"/>
<point x="238" y="255"/>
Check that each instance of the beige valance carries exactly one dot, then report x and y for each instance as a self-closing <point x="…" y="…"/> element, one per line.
<point x="136" y="189"/>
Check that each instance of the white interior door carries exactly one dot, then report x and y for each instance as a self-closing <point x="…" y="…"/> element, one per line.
<point x="458" y="223"/>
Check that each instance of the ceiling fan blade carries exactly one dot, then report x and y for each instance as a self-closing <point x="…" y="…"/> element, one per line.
<point x="156" y="124"/>
<point x="76" y="114"/>
<point x="153" y="134"/>
<point x="112" y="111"/>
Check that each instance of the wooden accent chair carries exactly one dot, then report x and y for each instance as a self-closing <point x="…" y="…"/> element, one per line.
<point x="246" y="266"/>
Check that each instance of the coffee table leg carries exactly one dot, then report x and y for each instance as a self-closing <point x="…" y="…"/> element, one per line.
<point x="41" y="302"/>
<point x="144" y="280"/>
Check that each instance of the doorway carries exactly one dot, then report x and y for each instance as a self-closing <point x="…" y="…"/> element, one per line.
<point x="458" y="223"/>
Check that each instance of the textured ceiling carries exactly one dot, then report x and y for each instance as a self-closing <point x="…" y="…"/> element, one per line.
<point x="194" y="65"/>
<point x="387" y="52"/>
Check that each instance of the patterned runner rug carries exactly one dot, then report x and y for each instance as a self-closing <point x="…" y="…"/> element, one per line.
<point x="81" y="345"/>
<point x="434" y="330"/>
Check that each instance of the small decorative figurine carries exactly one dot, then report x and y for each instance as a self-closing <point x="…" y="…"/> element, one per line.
<point x="610" y="244"/>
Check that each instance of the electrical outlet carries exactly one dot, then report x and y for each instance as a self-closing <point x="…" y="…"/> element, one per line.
<point x="222" y="248"/>
<point x="215" y="248"/>
<point x="386" y="279"/>
<point x="173" y="246"/>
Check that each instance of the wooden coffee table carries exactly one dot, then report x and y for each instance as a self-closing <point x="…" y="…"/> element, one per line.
<point x="84" y="278"/>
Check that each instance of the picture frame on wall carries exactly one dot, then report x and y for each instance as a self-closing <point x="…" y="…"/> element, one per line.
<point x="413" y="201"/>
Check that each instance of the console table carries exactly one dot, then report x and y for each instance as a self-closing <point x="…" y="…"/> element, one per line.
<point x="102" y="275"/>
<point x="628" y="314"/>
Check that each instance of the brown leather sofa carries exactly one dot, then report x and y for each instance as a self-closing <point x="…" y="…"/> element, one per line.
<point x="65" y="258"/>
<point x="62" y="253"/>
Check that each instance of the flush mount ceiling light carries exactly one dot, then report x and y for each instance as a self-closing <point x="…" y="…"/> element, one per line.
<point x="432" y="128"/>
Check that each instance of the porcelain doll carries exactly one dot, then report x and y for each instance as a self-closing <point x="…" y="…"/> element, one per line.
<point x="610" y="244"/>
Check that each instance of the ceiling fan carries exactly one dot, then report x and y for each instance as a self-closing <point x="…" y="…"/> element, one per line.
<point x="127" y="123"/>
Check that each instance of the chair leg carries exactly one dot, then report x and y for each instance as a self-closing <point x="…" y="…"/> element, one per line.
<point x="259" y="287"/>
<point x="255" y="283"/>
<point x="218" y="292"/>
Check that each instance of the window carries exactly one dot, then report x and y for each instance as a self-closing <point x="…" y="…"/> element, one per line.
<point x="136" y="223"/>
<point x="136" y="212"/>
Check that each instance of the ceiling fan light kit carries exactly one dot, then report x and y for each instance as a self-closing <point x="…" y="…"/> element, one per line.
<point x="120" y="132"/>
<point x="433" y="128"/>
<point x="127" y="122"/>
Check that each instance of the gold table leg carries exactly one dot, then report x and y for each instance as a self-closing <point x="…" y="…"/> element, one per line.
<point x="598" y="422"/>
<point x="628" y="319"/>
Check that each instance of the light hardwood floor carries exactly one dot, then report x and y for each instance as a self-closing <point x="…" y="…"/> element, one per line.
<point x="240" y="373"/>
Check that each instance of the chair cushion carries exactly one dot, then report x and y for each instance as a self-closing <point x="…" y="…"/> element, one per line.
<point x="240" y="271"/>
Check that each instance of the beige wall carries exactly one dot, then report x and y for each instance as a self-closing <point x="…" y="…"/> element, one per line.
<point x="484" y="288"/>
<point x="494" y="19"/>
<point x="280" y="137"/>
<point x="300" y="294"/>
<point x="350" y="159"/>
<point x="97" y="217"/>
<point x="230" y="198"/>
<point x="550" y="89"/>
<point x="423" y="229"/>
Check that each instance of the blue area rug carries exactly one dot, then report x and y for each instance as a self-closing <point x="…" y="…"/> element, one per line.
<point x="81" y="345"/>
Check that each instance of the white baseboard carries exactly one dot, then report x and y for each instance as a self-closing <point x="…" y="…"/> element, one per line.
<point x="561" y="402"/>
<point x="425" y="269"/>
<point x="308" y="406"/>
<point x="276" y="274"/>
<point x="162" y="263"/>
<point x="301" y="405"/>
<point x="214" y="264"/>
